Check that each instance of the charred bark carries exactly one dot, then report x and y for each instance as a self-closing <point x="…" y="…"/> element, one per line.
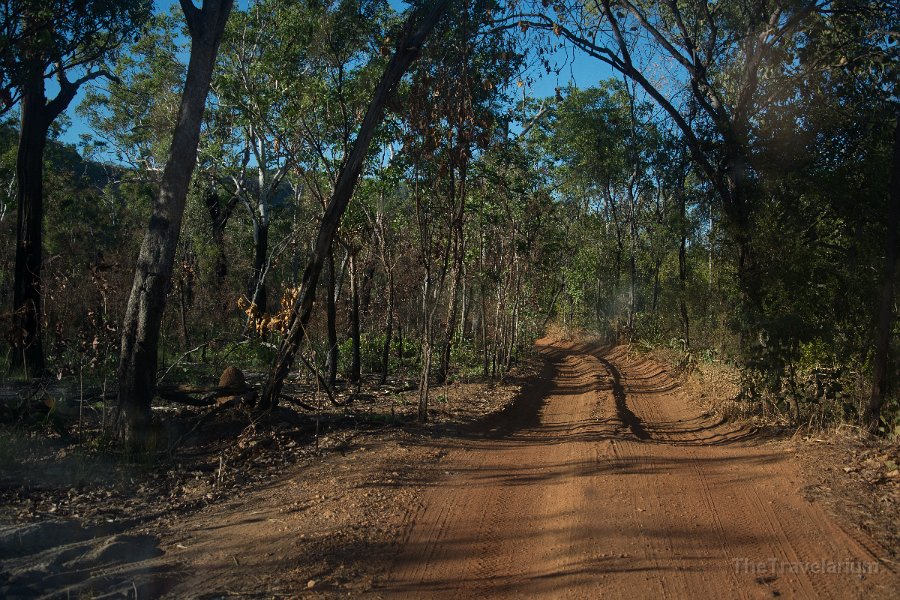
<point x="885" y="308"/>
<point x="28" y="353"/>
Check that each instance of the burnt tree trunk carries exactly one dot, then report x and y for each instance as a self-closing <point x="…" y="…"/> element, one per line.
<point x="28" y="352"/>
<point x="143" y="316"/>
<point x="885" y="309"/>
<point x="218" y="218"/>
<point x="417" y="28"/>
<point x="36" y="116"/>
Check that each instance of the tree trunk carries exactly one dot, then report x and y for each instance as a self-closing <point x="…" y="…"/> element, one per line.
<point x="484" y="341"/>
<point x="333" y="353"/>
<point x="654" y="304"/>
<point x="400" y="349"/>
<point x="28" y="351"/>
<point x="682" y="275"/>
<point x="459" y="250"/>
<point x="885" y="310"/>
<point x="257" y="288"/>
<point x="354" y="322"/>
<point x="388" y="328"/>
<point x="425" y="372"/>
<point x="153" y="273"/>
<point x="218" y="217"/>
<point x="632" y="263"/>
<point x="417" y="28"/>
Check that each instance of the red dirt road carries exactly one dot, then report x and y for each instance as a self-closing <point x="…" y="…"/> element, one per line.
<point x="605" y="481"/>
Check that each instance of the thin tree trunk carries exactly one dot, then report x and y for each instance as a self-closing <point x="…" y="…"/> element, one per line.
<point x="632" y="263"/>
<point x="682" y="272"/>
<point x="333" y="353"/>
<point x="459" y="250"/>
<point x="388" y="328"/>
<point x="655" y="302"/>
<point x="425" y="372"/>
<point x="257" y="288"/>
<point x="153" y="273"/>
<point x="484" y="341"/>
<point x="354" y="322"/>
<point x="417" y="28"/>
<point x="885" y="310"/>
<point x="218" y="216"/>
<point x="182" y="309"/>
<point x="400" y="350"/>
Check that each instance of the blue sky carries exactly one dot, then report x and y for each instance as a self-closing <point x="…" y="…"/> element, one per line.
<point x="577" y="69"/>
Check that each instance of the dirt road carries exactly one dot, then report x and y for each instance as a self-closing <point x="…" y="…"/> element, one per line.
<point x="604" y="481"/>
<point x="601" y="479"/>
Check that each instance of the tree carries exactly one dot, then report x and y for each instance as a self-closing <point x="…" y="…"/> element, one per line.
<point x="886" y="301"/>
<point x="418" y="26"/>
<point x="143" y="316"/>
<point x="49" y="40"/>
<point x="720" y="52"/>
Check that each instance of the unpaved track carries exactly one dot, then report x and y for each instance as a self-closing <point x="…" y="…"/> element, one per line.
<point x="604" y="481"/>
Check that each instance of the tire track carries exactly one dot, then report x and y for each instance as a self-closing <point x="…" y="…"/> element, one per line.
<point x="608" y="482"/>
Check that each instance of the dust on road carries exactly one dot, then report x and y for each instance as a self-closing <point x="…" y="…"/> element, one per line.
<point x="604" y="481"/>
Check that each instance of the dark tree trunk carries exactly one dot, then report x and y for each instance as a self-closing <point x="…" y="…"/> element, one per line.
<point x="365" y="288"/>
<point x="885" y="309"/>
<point x="388" y="328"/>
<point x="738" y="210"/>
<point x="143" y="316"/>
<point x="257" y="288"/>
<point x="654" y="304"/>
<point x="354" y="322"/>
<point x="332" y="355"/>
<point x="28" y="352"/>
<point x="400" y="349"/>
<point x="219" y="216"/>
<point x="484" y="341"/>
<point x="417" y="28"/>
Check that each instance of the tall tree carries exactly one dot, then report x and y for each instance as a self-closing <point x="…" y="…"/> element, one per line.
<point x="885" y="315"/>
<point x="143" y="316"/>
<point x="721" y="52"/>
<point x="49" y="40"/>
<point x="416" y="30"/>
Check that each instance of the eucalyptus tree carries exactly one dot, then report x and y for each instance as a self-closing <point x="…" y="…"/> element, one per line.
<point x="726" y="55"/>
<point x="456" y="92"/>
<point x="418" y="26"/>
<point x="599" y="142"/>
<point x="144" y="312"/>
<point x="70" y="42"/>
<point x="336" y="50"/>
<point x="253" y="93"/>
